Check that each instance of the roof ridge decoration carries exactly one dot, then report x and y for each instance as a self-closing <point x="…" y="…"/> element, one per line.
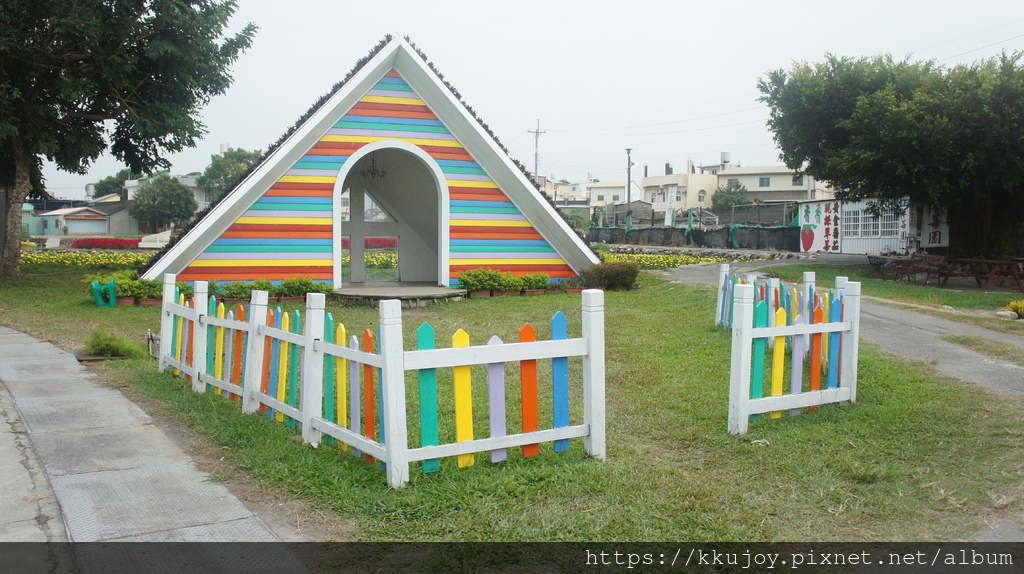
<point x="389" y="53"/>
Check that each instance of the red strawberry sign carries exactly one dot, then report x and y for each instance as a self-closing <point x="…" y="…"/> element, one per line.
<point x="807" y="236"/>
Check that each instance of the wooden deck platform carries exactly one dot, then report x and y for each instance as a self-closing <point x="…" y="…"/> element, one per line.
<point x="410" y="294"/>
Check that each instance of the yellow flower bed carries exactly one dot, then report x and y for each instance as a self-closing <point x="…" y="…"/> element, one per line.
<point x="651" y="261"/>
<point x="382" y="260"/>
<point x="80" y="258"/>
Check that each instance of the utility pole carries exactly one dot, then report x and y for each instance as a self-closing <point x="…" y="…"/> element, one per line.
<point x="536" y="147"/>
<point x="629" y="188"/>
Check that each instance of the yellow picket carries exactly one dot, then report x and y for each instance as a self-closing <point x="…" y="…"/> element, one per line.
<point x="463" y="401"/>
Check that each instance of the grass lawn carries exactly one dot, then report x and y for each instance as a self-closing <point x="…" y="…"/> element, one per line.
<point x="918" y="457"/>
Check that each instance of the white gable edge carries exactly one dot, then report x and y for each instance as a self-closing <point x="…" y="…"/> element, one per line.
<point x="400" y="55"/>
<point x="498" y="165"/>
<point x="239" y="200"/>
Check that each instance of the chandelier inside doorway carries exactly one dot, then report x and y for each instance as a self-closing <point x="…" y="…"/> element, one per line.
<point x="373" y="172"/>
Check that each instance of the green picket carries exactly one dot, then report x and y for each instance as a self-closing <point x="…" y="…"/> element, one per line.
<point x="757" y="361"/>
<point x="429" y="435"/>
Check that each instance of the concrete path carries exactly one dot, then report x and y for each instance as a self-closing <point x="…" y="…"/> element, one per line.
<point x="94" y="468"/>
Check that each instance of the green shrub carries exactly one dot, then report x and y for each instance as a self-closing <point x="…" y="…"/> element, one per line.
<point x="103" y="344"/>
<point x="1017" y="307"/>
<point x="536" y="280"/>
<point x="482" y="279"/>
<point x="322" y="287"/>
<point x="294" y="287"/>
<point x="150" y="289"/>
<point x="509" y="282"/>
<point x="237" y="290"/>
<point x="184" y="289"/>
<point x="287" y="288"/>
<point x="124" y="279"/>
<point x="617" y="275"/>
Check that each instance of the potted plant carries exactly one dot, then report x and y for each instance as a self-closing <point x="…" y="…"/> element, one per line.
<point x="150" y="293"/>
<point x="509" y="284"/>
<point x="535" y="283"/>
<point x="480" y="282"/>
<point x="570" y="285"/>
<point x="294" y="289"/>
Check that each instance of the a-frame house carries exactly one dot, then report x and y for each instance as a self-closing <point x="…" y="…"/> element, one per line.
<point x="392" y="152"/>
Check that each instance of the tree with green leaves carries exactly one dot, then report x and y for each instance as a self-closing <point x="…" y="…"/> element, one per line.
<point x="725" y="197"/>
<point x="225" y="171"/>
<point x="162" y="202"/>
<point x="886" y="130"/>
<point x="80" y="76"/>
<point x="114" y="184"/>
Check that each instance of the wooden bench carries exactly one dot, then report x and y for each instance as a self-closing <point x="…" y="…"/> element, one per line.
<point x="933" y="267"/>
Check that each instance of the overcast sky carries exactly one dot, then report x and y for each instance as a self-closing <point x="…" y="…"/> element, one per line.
<point x="673" y="80"/>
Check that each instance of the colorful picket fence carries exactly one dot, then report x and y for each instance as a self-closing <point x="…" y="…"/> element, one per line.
<point x="814" y="331"/>
<point x="315" y="375"/>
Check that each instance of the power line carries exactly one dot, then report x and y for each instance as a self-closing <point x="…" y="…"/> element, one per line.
<point x="660" y="124"/>
<point x="968" y="36"/>
<point x="981" y="48"/>
<point x="585" y="133"/>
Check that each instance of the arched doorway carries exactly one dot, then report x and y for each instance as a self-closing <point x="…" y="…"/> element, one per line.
<point x="392" y="189"/>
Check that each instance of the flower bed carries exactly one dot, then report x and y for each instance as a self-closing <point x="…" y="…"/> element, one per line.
<point x="81" y="258"/>
<point x="105" y="243"/>
<point x="373" y="242"/>
<point x="653" y="261"/>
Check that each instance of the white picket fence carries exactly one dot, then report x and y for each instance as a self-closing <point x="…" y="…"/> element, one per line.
<point x="831" y="374"/>
<point x="393" y="361"/>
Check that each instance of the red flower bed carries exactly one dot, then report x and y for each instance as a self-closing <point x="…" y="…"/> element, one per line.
<point x="374" y="242"/>
<point x="105" y="243"/>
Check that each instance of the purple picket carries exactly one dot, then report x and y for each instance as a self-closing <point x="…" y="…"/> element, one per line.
<point x="496" y="400"/>
<point x="724" y="314"/>
<point x="229" y="345"/>
<point x="797" y="370"/>
<point x="355" y="405"/>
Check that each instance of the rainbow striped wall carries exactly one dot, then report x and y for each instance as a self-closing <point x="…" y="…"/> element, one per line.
<point x="287" y="232"/>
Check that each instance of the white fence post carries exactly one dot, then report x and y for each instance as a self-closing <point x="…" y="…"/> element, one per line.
<point x="254" y="353"/>
<point x="166" y="321"/>
<point x="841" y="282"/>
<point x="739" y="374"/>
<point x="723" y="278"/>
<point x="200" y="335"/>
<point x="850" y="339"/>
<point x="593" y="373"/>
<point x="396" y="432"/>
<point x="312" y="382"/>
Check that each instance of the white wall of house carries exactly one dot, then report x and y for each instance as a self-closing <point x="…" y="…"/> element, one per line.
<point x="847" y="227"/>
<point x="774" y="183"/>
<point x="607" y="192"/>
<point x="681" y="190"/>
<point x="203" y="200"/>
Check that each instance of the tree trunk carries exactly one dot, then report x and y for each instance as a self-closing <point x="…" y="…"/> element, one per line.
<point x="10" y="262"/>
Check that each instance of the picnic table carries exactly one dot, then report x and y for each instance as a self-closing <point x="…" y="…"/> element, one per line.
<point x="984" y="271"/>
<point x="885" y="263"/>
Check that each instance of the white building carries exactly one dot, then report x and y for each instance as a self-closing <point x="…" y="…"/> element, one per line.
<point x="203" y="199"/>
<point x="679" y="191"/>
<point x="771" y="183"/>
